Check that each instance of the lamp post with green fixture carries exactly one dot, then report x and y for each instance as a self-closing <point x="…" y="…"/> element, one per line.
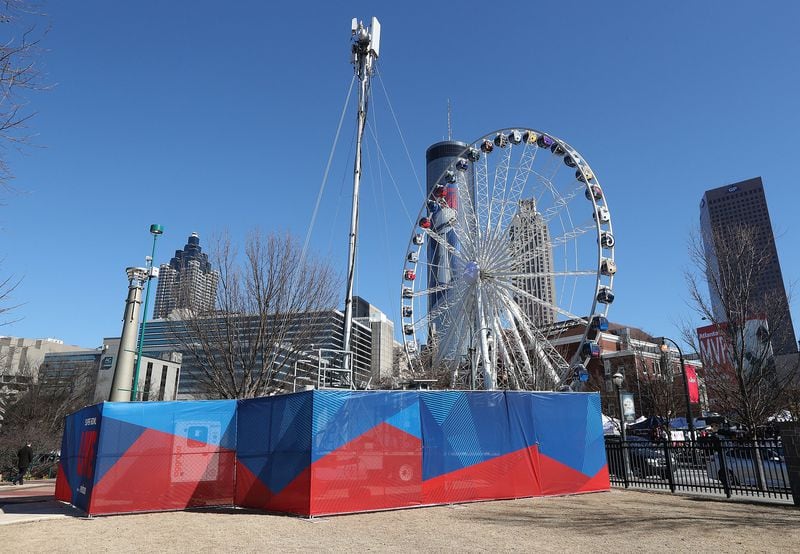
<point x="155" y="230"/>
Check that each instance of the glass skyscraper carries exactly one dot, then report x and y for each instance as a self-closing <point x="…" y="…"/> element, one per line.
<point x="186" y="282"/>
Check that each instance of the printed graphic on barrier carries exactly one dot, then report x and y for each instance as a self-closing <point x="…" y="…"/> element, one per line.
<point x="144" y="456"/>
<point x="331" y="452"/>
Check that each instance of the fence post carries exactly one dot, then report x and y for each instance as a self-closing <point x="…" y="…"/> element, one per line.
<point x="790" y="439"/>
<point x="625" y="462"/>
<point x="723" y="466"/>
<point x="670" y="469"/>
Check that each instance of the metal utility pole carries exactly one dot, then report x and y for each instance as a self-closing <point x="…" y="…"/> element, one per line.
<point x="366" y="45"/>
<point x="152" y="272"/>
<point x="123" y="370"/>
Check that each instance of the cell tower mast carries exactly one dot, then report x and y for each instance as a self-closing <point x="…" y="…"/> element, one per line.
<point x="365" y="49"/>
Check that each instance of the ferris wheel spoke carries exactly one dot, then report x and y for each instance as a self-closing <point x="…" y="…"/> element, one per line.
<point x="499" y="190"/>
<point x="431" y="290"/>
<point x="466" y="224"/>
<point x="550" y="246"/>
<point x="500" y="301"/>
<point x="560" y="202"/>
<point x="446" y="305"/>
<point x="537" y="275"/>
<point x="454" y="331"/>
<point x="518" y="183"/>
<point x="450" y="303"/>
<point x="516" y="290"/>
<point x="441" y="241"/>
<point x="548" y="357"/>
<point x="482" y="201"/>
<point x="509" y="368"/>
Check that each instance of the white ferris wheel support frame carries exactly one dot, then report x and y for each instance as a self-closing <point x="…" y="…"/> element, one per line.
<point x="481" y="228"/>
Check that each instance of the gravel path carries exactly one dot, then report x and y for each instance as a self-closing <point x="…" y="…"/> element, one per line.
<point x="616" y="521"/>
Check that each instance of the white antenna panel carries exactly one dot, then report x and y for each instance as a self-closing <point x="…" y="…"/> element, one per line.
<point x="375" y="36"/>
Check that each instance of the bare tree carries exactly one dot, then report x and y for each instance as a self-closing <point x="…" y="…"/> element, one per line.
<point x="659" y="393"/>
<point x="270" y="308"/>
<point x="20" y="49"/>
<point x="7" y="287"/>
<point x="745" y="383"/>
<point x="36" y="412"/>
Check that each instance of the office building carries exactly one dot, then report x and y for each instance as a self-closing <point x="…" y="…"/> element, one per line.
<point x="382" y="362"/>
<point x="533" y="253"/>
<point x="311" y="341"/>
<point x="745" y="204"/>
<point x="20" y="359"/>
<point x="87" y="374"/>
<point x="187" y="282"/>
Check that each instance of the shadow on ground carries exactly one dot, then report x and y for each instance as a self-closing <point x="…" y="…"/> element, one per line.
<point x="640" y="511"/>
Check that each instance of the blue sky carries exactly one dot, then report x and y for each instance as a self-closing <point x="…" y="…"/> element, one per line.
<point x="205" y="116"/>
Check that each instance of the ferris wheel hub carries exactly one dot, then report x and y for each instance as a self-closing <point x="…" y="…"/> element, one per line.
<point x="472" y="272"/>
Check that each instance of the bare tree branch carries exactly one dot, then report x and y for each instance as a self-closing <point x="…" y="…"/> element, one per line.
<point x="270" y="306"/>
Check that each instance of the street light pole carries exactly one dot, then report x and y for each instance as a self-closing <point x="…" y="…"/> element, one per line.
<point x="155" y="230"/>
<point x="689" y="419"/>
<point x="618" y="378"/>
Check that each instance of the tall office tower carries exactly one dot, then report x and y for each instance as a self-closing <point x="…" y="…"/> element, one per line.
<point x="186" y="282"/>
<point x="438" y="158"/>
<point x="533" y="253"/>
<point x="738" y="204"/>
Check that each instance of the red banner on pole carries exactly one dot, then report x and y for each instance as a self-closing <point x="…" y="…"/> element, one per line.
<point x="691" y="379"/>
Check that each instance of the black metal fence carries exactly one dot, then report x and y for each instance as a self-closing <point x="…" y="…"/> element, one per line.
<point x="730" y="468"/>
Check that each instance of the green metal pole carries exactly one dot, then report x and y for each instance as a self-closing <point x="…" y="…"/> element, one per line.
<point x="155" y="230"/>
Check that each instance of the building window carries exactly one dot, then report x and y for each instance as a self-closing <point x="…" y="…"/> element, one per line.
<point x="146" y="391"/>
<point x="163" y="383"/>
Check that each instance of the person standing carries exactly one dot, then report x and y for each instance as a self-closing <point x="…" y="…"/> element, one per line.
<point x="24" y="459"/>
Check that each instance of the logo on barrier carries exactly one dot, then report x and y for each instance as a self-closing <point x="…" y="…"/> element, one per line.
<point x="195" y="454"/>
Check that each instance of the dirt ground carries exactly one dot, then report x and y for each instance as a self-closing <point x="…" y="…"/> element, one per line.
<point x="617" y="521"/>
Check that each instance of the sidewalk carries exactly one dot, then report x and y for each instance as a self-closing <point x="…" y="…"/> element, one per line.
<point x="32" y="501"/>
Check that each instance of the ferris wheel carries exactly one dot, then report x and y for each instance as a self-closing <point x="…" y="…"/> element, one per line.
<point x="512" y="251"/>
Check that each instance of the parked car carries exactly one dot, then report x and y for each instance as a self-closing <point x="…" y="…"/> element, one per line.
<point x="742" y="470"/>
<point x="646" y="459"/>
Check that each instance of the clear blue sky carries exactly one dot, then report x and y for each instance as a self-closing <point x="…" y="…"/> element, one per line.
<point x="208" y="116"/>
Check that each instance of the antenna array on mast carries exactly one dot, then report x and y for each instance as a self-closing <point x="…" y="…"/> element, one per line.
<point x="365" y="50"/>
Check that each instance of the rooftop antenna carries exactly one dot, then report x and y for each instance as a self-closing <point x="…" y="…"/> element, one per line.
<point x="365" y="50"/>
<point x="449" y="121"/>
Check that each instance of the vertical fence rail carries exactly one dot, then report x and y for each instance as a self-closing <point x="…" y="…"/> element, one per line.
<point x="733" y="469"/>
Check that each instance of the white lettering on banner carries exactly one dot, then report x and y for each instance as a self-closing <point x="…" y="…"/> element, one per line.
<point x="90" y="421"/>
<point x="82" y="489"/>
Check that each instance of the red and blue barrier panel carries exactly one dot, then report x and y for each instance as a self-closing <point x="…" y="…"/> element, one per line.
<point x="120" y="457"/>
<point x="330" y="452"/>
